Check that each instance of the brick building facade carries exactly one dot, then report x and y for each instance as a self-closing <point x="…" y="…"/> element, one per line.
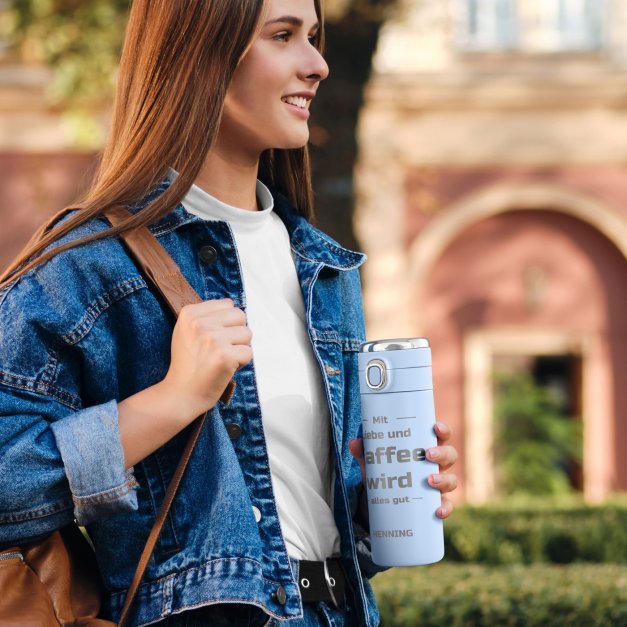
<point x="493" y="206"/>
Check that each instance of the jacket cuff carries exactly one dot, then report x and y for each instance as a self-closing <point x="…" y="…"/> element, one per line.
<point x="91" y="449"/>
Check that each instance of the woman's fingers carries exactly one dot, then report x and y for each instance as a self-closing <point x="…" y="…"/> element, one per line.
<point x="445" y="482"/>
<point x="233" y="317"/>
<point x="445" y="510"/>
<point x="243" y="354"/>
<point x="207" y="307"/>
<point x="210" y="342"/>
<point x="356" y="448"/>
<point x="213" y="313"/>
<point x="443" y="431"/>
<point x="444" y="456"/>
<point x="237" y="335"/>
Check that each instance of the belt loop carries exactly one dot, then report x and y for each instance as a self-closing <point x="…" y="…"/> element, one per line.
<point x="330" y="584"/>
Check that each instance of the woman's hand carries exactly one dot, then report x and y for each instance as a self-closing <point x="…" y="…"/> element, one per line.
<point x="209" y="343"/>
<point x="443" y="454"/>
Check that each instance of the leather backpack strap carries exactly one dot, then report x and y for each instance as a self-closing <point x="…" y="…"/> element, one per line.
<point x="160" y="520"/>
<point x="163" y="272"/>
<point x="161" y="269"/>
<point x="155" y="263"/>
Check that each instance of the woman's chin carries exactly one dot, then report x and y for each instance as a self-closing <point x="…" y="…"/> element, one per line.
<point x="294" y="142"/>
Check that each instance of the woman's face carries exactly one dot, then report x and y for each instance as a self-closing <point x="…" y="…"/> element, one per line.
<point x="267" y="103"/>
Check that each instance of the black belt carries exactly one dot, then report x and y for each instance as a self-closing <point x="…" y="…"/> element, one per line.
<point x="322" y="581"/>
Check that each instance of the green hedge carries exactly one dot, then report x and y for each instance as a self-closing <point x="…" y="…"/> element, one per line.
<point x="540" y="532"/>
<point x="514" y="596"/>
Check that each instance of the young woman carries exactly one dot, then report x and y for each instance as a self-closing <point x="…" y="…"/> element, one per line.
<point x="98" y="383"/>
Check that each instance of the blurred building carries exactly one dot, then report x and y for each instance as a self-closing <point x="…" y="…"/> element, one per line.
<point x="492" y="185"/>
<point x="46" y="154"/>
<point x="492" y="204"/>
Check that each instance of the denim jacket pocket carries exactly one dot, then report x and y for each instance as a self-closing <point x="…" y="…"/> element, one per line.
<point x="154" y="478"/>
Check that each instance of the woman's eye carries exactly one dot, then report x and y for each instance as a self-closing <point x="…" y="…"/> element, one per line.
<point x="314" y="39"/>
<point x="282" y="36"/>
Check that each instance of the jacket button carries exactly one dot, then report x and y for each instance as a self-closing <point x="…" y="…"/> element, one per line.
<point x="279" y="596"/>
<point x="234" y="430"/>
<point x="256" y="513"/>
<point x="208" y="254"/>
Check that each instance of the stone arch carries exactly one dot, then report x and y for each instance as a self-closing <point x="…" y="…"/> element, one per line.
<point x="502" y="198"/>
<point x="598" y="378"/>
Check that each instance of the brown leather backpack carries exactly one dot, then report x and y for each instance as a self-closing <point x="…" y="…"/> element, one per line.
<point x="51" y="582"/>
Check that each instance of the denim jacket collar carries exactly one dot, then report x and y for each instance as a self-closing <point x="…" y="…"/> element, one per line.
<point x="310" y="244"/>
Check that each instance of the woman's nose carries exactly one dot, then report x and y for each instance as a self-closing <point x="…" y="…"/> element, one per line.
<point x="316" y="67"/>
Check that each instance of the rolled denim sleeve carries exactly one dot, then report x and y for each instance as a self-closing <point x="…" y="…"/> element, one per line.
<point x="61" y="455"/>
<point x="93" y="457"/>
<point x="56" y="463"/>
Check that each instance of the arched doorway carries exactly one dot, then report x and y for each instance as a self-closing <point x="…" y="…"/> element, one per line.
<point x="539" y="282"/>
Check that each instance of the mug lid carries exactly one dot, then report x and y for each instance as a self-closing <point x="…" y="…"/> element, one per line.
<point x="377" y="346"/>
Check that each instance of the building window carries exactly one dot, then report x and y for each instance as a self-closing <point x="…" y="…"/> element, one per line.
<point x="532" y="26"/>
<point x="491" y="24"/>
<point x="567" y="25"/>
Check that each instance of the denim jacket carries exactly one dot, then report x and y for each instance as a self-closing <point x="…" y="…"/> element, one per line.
<point x="85" y="330"/>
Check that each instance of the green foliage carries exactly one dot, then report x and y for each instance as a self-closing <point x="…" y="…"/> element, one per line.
<point x="79" y="39"/>
<point x="512" y="587"/>
<point x="535" y="442"/>
<point x="516" y="596"/>
<point x="532" y="533"/>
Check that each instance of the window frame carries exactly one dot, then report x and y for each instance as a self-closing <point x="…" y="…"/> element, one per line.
<point x="530" y="27"/>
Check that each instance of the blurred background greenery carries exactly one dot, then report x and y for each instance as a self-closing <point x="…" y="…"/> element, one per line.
<point x="519" y="562"/>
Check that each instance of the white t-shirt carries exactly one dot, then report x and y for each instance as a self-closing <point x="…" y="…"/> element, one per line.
<point x="293" y="405"/>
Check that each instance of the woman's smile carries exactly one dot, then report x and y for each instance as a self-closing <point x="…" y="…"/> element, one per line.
<point x="299" y="104"/>
<point x="283" y="60"/>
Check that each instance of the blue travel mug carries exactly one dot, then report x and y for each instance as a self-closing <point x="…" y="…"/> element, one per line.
<point x="398" y="417"/>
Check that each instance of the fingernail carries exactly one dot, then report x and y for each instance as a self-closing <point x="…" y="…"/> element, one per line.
<point x="436" y="479"/>
<point x="441" y="426"/>
<point x="433" y="454"/>
<point x="442" y="512"/>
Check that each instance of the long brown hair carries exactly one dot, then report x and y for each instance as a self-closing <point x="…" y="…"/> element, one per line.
<point x="177" y="62"/>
